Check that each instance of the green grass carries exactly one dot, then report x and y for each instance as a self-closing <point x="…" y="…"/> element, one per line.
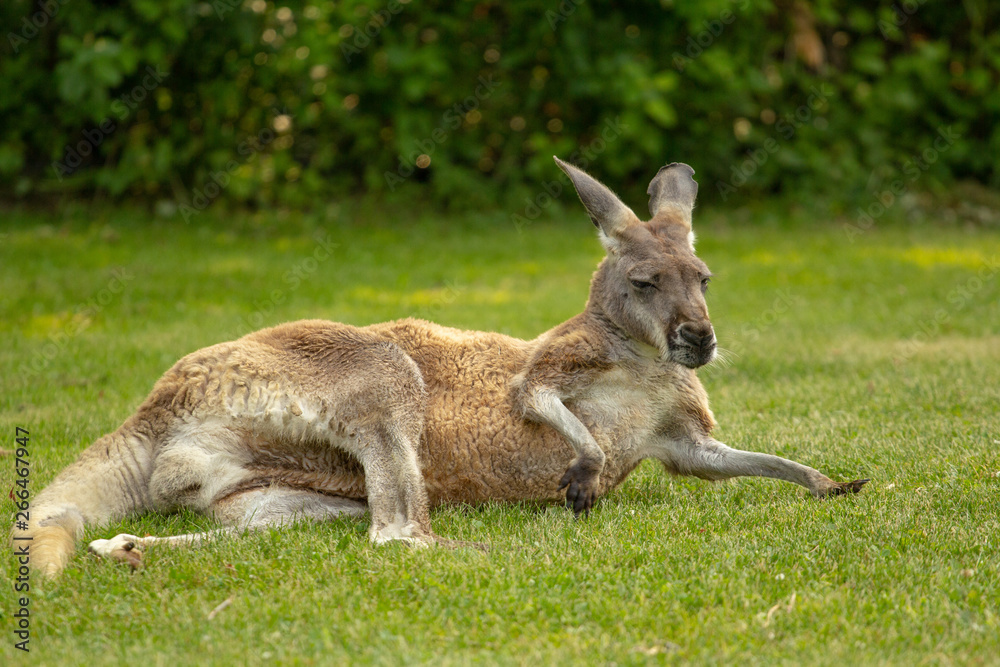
<point x="877" y="357"/>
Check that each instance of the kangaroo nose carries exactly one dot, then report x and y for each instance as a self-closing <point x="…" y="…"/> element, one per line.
<point x="698" y="334"/>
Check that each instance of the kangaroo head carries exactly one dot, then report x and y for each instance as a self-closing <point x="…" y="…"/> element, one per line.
<point x="651" y="286"/>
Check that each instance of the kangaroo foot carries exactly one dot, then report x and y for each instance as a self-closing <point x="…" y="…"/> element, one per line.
<point x="120" y="548"/>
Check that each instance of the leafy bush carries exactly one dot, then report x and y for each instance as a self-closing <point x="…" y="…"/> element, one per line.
<point x="192" y="102"/>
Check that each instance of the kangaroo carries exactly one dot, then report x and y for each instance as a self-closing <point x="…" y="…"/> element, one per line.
<point x="316" y="419"/>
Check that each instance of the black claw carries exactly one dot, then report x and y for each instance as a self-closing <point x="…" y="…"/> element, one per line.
<point x="843" y="488"/>
<point x="582" y="504"/>
<point x="564" y="482"/>
<point x="856" y="485"/>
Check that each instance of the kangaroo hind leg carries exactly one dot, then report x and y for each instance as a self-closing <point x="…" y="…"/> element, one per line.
<point x="385" y="418"/>
<point x="710" y="459"/>
<point x="247" y="510"/>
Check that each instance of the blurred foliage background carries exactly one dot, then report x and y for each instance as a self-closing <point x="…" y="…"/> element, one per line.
<point x="183" y="103"/>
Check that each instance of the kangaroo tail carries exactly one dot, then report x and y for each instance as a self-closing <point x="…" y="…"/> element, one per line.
<point x="109" y="480"/>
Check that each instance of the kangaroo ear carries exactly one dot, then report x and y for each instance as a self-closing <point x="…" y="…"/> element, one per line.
<point x="606" y="210"/>
<point x="673" y="188"/>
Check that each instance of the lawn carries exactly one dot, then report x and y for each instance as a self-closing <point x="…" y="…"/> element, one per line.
<point x="864" y="355"/>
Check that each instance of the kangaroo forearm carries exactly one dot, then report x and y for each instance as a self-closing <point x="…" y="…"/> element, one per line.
<point x="544" y="406"/>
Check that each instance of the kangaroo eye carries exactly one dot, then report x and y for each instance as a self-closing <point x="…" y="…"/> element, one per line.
<point x="704" y="284"/>
<point x="642" y="285"/>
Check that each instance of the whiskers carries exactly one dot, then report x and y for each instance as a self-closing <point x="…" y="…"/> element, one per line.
<point x="723" y="358"/>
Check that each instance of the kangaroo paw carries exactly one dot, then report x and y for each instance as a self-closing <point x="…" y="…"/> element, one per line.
<point x="580" y="482"/>
<point x="120" y="548"/>
<point x="843" y="488"/>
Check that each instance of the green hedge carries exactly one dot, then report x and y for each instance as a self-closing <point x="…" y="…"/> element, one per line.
<point x="464" y="103"/>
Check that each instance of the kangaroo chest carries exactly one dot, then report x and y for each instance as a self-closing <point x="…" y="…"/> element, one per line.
<point x="623" y="406"/>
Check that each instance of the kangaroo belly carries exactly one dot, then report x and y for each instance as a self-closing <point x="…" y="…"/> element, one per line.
<point x="470" y="460"/>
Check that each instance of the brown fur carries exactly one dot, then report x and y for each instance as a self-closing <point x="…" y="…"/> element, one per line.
<point x="317" y="418"/>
